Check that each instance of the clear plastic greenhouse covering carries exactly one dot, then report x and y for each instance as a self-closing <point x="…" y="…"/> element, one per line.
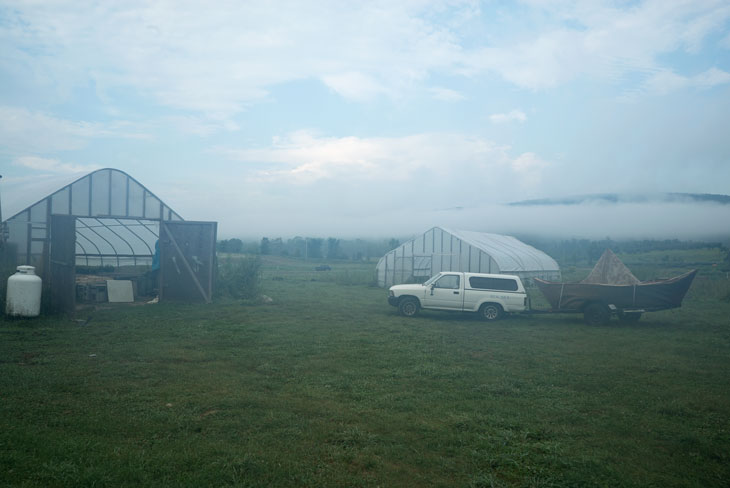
<point x="440" y="249"/>
<point x="117" y="220"/>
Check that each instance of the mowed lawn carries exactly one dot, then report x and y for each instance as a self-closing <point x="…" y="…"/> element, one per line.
<point x="328" y="386"/>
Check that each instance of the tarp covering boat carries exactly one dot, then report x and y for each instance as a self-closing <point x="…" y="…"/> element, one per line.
<point x="609" y="270"/>
<point x="611" y="283"/>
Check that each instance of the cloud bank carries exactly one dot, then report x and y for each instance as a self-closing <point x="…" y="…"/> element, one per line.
<point x="217" y="61"/>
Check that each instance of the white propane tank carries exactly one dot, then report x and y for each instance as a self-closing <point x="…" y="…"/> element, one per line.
<point x="24" y="293"/>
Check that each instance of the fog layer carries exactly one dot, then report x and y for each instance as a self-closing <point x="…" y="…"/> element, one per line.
<point x="618" y="221"/>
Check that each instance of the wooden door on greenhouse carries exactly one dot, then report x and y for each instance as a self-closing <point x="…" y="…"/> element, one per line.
<point x="62" y="267"/>
<point x="187" y="261"/>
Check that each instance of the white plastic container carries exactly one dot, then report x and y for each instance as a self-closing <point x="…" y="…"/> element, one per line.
<point x="24" y="293"/>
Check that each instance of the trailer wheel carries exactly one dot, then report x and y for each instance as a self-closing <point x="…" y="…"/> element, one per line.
<point x="408" y="307"/>
<point x="596" y="314"/>
<point x="490" y="312"/>
<point x="629" y="317"/>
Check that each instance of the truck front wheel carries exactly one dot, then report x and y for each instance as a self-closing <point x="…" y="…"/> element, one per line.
<point x="408" y="307"/>
<point x="490" y="312"/>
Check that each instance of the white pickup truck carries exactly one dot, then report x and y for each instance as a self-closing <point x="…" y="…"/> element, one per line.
<point x="490" y="295"/>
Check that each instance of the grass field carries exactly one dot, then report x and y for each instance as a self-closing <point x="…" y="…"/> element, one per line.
<point x="327" y="386"/>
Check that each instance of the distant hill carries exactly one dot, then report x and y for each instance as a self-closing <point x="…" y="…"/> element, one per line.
<point x="630" y="198"/>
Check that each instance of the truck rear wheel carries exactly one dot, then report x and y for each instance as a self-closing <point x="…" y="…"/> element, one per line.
<point x="596" y="314"/>
<point x="408" y="307"/>
<point x="490" y="312"/>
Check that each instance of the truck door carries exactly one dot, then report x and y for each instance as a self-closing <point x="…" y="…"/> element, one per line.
<point x="446" y="293"/>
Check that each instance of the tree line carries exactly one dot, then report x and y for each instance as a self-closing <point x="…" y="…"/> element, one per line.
<point x="316" y="248"/>
<point x="567" y="252"/>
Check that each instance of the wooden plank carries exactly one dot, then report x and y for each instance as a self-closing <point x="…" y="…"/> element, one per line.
<point x="62" y="264"/>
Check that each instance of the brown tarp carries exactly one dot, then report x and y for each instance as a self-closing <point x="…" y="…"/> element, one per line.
<point x="609" y="270"/>
<point x="611" y="283"/>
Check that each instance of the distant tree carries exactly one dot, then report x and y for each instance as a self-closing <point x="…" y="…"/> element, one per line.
<point x="233" y="246"/>
<point x="377" y="249"/>
<point x="276" y="246"/>
<point x="221" y="246"/>
<point x="361" y="249"/>
<point x="333" y="248"/>
<point x="265" y="246"/>
<point x="314" y="247"/>
<point x="296" y="246"/>
<point x="393" y="243"/>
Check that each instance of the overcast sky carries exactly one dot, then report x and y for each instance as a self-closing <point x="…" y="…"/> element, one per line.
<point x="374" y="118"/>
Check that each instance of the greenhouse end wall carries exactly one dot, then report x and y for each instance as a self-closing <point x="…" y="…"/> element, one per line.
<point x="117" y="223"/>
<point x="117" y="219"/>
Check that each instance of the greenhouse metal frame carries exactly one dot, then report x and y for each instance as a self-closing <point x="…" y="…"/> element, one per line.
<point x="117" y="221"/>
<point x="106" y="219"/>
<point x="441" y="249"/>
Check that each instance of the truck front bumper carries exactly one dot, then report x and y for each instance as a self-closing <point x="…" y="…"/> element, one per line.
<point x="393" y="301"/>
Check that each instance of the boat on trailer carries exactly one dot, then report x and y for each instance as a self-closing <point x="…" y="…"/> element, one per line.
<point x="612" y="289"/>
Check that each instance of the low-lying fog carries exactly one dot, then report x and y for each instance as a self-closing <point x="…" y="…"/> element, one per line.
<point x="599" y="220"/>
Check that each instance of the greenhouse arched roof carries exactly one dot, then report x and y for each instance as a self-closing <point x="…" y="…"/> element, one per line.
<point x="117" y="218"/>
<point x="510" y="253"/>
